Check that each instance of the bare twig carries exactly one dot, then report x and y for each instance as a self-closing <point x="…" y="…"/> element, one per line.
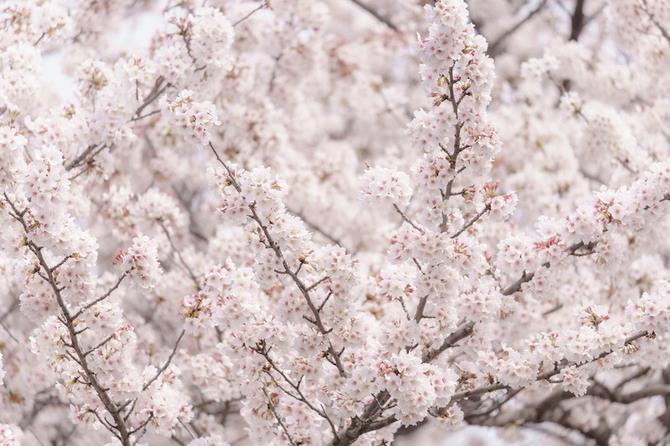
<point x="160" y="86"/>
<point x="167" y="362"/>
<point x="664" y="32"/>
<point x="578" y="249"/>
<point x="103" y="297"/>
<point x="375" y="14"/>
<point x="183" y="262"/>
<point x="474" y="219"/>
<point x="85" y="156"/>
<point x="252" y="12"/>
<point x="406" y="218"/>
<point x="317" y="228"/>
<point x="494" y="47"/>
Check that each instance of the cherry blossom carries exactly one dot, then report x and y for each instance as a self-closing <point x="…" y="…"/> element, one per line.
<point x="334" y="222"/>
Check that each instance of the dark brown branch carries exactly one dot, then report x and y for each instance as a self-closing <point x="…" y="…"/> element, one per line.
<point x="420" y="308"/>
<point x="151" y="113"/>
<point x="358" y="428"/>
<point x="231" y="176"/>
<point x="369" y="420"/>
<point x="100" y="344"/>
<point x="516" y="286"/>
<point x="496" y="406"/>
<point x="59" y="264"/>
<point x="361" y="425"/>
<point x="577" y="21"/>
<point x="87" y="155"/>
<point x="664" y="32"/>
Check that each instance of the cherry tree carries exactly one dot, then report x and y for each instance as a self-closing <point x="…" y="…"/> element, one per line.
<point x="334" y="222"/>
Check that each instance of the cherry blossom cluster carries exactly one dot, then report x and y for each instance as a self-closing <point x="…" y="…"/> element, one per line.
<point x="334" y="223"/>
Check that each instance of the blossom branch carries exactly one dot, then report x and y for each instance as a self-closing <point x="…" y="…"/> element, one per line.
<point x="335" y="356"/>
<point x="119" y="428"/>
<point x="316" y="320"/>
<point x="264" y="351"/>
<point x="273" y="409"/>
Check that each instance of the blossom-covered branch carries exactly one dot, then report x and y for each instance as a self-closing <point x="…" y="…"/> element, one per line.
<point x="334" y="222"/>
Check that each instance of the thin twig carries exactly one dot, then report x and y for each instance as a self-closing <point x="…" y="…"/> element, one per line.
<point x="278" y="418"/>
<point x="494" y="47"/>
<point x="167" y="362"/>
<point x="183" y="262"/>
<point x="474" y="219"/>
<point x="406" y="219"/>
<point x="103" y="297"/>
<point x="253" y="11"/>
<point x="375" y="14"/>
